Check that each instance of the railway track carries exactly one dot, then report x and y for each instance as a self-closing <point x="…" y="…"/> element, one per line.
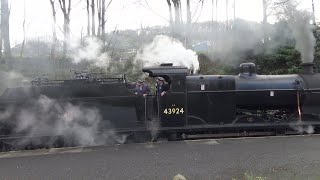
<point x="20" y="142"/>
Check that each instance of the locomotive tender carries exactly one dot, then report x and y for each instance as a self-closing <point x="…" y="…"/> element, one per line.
<point x="194" y="104"/>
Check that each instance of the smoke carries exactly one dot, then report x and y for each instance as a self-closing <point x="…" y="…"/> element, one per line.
<point x="245" y="39"/>
<point x="154" y="126"/>
<point x="299" y="23"/>
<point x="5" y="114"/>
<point x="90" y="50"/>
<point x="48" y="117"/>
<point x="164" y="49"/>
<point x="309" y="129"/>
<point x="235" y="44"/>
<point x="10" y="79"/>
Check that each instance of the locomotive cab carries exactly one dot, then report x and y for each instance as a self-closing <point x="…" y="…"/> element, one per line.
<point x="170" y="108"/>
<point x="194" y="100"/>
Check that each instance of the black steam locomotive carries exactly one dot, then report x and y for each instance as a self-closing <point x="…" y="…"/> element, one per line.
<point x="218" y="104"/>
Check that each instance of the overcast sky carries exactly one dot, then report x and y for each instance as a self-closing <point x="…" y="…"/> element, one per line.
<point x="126" y="14"/>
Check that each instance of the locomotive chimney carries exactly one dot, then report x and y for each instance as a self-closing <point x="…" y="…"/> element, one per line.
<point x="307" y="68"/>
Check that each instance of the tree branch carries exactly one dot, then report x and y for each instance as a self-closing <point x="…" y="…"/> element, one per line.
<point x="69" y="7"/>
<point x="148" y="7"/>
<point x="76" y="4"/>
<point x="196" y="9"/>
<point x="108" y="4"/>
<point x="61" y="6"/>
<point x="281" y="3"/>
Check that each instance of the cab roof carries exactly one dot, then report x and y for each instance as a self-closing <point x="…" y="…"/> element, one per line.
<point x="166" y="69"/>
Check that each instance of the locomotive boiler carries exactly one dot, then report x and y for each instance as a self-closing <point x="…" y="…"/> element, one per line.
<point x="216" y="104"/>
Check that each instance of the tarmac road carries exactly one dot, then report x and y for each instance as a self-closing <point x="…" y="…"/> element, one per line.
<point x="294" y="157"/>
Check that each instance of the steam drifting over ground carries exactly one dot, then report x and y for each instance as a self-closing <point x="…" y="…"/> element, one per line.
<point x="164" y="49"/>
<point x="47" y="117"/>
<point x="309" y="129"/>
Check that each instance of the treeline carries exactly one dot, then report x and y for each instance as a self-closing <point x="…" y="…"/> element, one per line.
<point x="225" y="43"/>
<point x="221" y="53"/>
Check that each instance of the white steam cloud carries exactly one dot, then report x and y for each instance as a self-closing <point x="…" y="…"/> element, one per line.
<point x="10" y="79"/>
<point x="154" y="126"/>
<point x="48" y="117"/>
<point x="299" y="23"/>
<point x="309" y="129"/>
<point x="164" y="49"/>
<point x="90" y="50"/>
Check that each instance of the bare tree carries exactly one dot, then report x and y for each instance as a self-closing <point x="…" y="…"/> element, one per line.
<point x="212" y="19"/>
<point x="271" y="7"/>
<point x="1" y="39"/>
<point x="267" y="11"/>
<point x="88" y="17"/>
<point x="188" y="25"/>
<point x="99" y="9"/>
<point x="177" y="18"/>
<point x="234" y="10"/>
<point x="54" y="32"/>
<point x="1" y="47"/>
<point x="313" y="14"/>
<point x="227" y="15"/>
<point x="24" y="29"/>
<point x="103" y="20"/>
<point x="212" y="11"/>
<point x="180" y="12"/>
<point x="93" y="27"/>
<point x="113" y="35"/>
<point x="265" y="19"/>
<point x="264" y="9"/>
<point x="66" y="9"/>
<point x="102" y="8"/>
<point x="188" y="14"/>
<point x="81" y="36"/>
<point x="170" y="14"/>
<point x="217" y="2"/>
<point x="5" y="32"/>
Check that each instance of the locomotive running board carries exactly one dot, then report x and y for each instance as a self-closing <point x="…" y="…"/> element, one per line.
<point x="238" y="135"/>
<point x="224" y="135"/>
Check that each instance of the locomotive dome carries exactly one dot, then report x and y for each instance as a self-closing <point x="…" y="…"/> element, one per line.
<point x="248" y="70"/>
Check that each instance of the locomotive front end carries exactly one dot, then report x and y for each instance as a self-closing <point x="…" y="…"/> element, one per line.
<point x="311" y="104"/>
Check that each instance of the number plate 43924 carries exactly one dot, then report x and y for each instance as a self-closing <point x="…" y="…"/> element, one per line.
<point x="173" y="111"/>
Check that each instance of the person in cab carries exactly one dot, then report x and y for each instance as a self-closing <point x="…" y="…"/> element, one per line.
<point x="161" y="86"/>
<point x="142" y="89"/>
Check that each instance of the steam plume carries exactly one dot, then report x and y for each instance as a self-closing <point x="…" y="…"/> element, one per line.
<point x="90" y="51"/>
<point x="299" y="23"/>
<point x="164" y="49"/>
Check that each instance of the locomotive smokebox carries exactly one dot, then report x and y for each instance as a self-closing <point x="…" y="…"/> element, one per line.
<point x="307" y="68"/>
